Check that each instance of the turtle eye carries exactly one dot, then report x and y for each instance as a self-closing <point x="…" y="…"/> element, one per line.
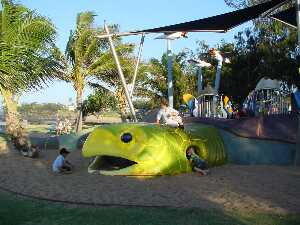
<point x="126" y="137"/>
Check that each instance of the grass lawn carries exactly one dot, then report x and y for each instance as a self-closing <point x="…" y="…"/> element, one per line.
<point x="3" y="137"/>
<point x="15" y="211"/>
<point x="38" y="128"/>
<point x="44" y="128"/>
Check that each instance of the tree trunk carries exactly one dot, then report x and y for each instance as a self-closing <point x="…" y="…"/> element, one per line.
<point x="78" y="126"/>
<point x="12" y="117"/>
<point x="121" y="103"/>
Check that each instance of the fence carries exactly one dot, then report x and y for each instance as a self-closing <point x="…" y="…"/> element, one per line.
<point x="211" y="105"/>
<point x="268" y="102"/>
<point x="206" y="106"/>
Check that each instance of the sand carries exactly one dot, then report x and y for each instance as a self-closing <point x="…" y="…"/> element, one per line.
<point x="270" y="189"/>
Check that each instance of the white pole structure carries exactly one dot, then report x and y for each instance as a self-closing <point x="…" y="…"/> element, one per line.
<point x="219" y="58"/>
<point x="121" y="34"/>
<point x="120" y="72"/>
<point x="297" y="154"/>
<point x="169" y="37"/>
<point x="199" y="80"/>
<point x="200" y="64"/>
<point x="137" y="64"/>
<point x="170" y="73"/>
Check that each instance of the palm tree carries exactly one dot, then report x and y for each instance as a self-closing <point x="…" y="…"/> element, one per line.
<point x="28" y="56"/>
<point x="107" y="72"/>
<point x="153" y="85"/>
<point x="89" y="56"/>
<point x="82" y="51"/>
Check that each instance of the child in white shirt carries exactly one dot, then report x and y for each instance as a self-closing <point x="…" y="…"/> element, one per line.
<point x="168" y="115"/>
<point x="60" y="165"/>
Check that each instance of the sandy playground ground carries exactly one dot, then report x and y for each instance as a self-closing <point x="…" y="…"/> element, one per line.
<point x="270" y="189"/>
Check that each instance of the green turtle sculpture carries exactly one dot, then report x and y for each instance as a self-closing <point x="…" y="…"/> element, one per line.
<point x="150" y="150"/>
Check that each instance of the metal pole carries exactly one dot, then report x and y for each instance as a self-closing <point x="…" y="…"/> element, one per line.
<point x="199" y="106"/>
<point x="120" y="72"/>
<point x="217" y="82"/>
<point x="170" y="73"/>
<point x="137" y="64"/>
<point x="202" y="107"/>
<point x="218" y="73"/>
<point x="208" y="106"/>
<point x="297" y="157"/>
<point x="298" y="19"/>
<point x="121" y="34"/>
<point x="200" y="79"/>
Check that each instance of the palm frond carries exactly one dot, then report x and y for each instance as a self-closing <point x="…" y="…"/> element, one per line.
<point x="70" y="52"/>
<point x="26" y="48"/>
<point x="85" y="20"/>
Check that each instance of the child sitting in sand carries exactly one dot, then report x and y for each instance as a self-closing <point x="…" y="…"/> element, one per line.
<point x="60" y="165"/>
<point x="199" y="165"/>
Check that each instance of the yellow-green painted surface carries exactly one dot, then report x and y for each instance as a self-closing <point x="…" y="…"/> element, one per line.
<point x="156" y="150"/>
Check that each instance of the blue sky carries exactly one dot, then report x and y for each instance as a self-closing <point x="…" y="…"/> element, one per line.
<point x="130" y="15"/>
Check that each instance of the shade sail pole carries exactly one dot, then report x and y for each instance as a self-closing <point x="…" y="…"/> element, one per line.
<point x="297" y="155"/>
<point x="199" y="79"/>
<point x="137" y="64"/>
<point x="120" y="72"/>
<point x="170" y="73"/>
<point x="219" y="71"/>
<point x="298" y="19"/>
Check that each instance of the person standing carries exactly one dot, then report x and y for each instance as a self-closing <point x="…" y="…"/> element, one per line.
<point x="59" y="126"/>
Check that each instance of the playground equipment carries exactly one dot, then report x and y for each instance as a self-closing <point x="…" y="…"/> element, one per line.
<point x="219" y="23"/>
<point x="228" y="107"/>
<point x="204" y="106"/>
<point x="270" y="97"/>
<point x="191" y="103"/>
<point x="210" y="104"/>
<point x="200" y="64"/>
<point x="217" y="55"/>
<point x="296" y="100"/>
<point x="218" y="109"/>
<point x="171" y="36"/>
<point x="167" y="156"/>
<point x="150" y="150"/>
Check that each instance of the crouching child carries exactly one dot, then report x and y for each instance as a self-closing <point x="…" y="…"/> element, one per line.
<point x="199" y="165"/>
<point x="60" y="164"/>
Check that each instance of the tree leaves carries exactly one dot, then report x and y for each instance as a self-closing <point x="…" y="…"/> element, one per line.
<point x="99" y="101"/>
<point x="26" y="48"/>
<point x="154" y="83"/>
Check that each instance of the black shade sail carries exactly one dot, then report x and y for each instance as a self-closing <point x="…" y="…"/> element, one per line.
<point x="287" y="17"/>
<point x="220" y="23"/>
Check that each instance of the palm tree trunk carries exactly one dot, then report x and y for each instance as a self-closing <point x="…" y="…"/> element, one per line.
<point x="12" y="117"/>
<point x="78" y="126"/>
<point x="122" y="103"/>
